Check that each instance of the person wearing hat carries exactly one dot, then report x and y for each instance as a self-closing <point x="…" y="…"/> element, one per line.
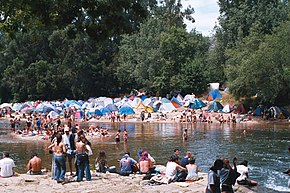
<point x="68" y="139"/>
<point x="126" y="164"/>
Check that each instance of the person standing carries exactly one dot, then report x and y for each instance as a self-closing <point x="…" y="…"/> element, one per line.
<point x="117" y="136"/>
<point x="7" y="166"/>
<point x="213" y="180"/>
<point x="228" y="176"/>
<point x="82" y="159"/>
<point x="59" y="150"/>
<point x="185" y="135"/>
<point x="68" y="140"/>
<point x="125" y="135"/>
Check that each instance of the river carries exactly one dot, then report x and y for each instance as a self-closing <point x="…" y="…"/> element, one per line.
<point x="265" y="146"/>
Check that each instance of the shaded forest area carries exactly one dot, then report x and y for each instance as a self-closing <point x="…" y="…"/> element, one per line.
<point x="77" y="49"/>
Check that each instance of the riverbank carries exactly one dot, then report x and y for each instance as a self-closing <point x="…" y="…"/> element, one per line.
<point x="102" y="183"/>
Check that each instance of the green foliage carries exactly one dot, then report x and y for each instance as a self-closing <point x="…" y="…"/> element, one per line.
<point x="238" y="17"/>
<point x="259" y="66"/>
<point x="100" y="19"/>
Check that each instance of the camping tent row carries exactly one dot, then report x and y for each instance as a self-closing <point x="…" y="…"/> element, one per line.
<point x="103" y="106"/>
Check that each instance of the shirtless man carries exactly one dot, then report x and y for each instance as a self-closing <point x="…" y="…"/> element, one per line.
<point x="82" y="150"/>
<point x="34" y="165"/>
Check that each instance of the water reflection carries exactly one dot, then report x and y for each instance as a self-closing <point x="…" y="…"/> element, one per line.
<point x="264" y="146"/>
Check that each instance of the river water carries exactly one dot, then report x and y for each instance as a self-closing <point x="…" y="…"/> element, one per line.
<point x="265" y="146"/>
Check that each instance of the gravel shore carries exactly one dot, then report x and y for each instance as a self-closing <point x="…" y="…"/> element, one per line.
<point x="101" y="183"/>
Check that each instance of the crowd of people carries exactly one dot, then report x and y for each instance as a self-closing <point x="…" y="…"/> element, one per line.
<point x="67" y="149"/>
<point x="70" y="146"/>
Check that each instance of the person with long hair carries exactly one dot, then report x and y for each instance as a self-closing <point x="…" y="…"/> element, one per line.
<point x="101" y="163"/>
<point x="59" y="150"/>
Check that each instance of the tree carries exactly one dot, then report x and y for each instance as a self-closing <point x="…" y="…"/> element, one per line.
<point x="238" y="17"/>
<point x="263" y="68"/>
<point x="100" y="19"/>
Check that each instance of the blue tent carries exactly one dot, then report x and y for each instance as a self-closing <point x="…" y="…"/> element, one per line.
<point x="105" y="110"/>
<point x="143" y="97"/>
<point x="213" y="95"/>
<point x="215" y="107"/>
<point x="68" y="103"/>
<point x="126" y="110"/>
<point x="94" y="112"/>
<point x="112" y="107"/>
<point x="196" y="104"/>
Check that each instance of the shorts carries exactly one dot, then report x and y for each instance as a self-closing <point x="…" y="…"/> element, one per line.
<point x="117" y="139"/>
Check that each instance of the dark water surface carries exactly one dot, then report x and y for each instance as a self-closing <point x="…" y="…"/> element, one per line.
<point x="263" y="145"/>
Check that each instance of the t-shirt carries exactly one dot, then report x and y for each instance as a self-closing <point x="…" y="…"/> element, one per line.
<point x="125" y="164"/>
<point x="6" y="165"/>
<point x="171" y="169"/>
<point x="184" y="161"/>
<point x="212" y="179"/>
<point x="243" y="170"/>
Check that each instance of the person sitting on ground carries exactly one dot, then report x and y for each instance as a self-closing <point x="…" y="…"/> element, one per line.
<point x="176" y="152"/>
<point x="126" y="164"/>
<point x="145" y="165"/>
<point x="185" y="160"/>
<point x="172" y="168"/>
<point x="101" y="163"/>
<point x="139" y="153"/>
<point x="192" y="171"/>
<point x="244" y="171"/>
<point x="34" y="165"/>
<point x="7" y="166"/>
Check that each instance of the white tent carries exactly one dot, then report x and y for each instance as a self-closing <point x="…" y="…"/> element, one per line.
<point x="148" y="102"/>
<point x="189" y="97"/>
<point x="108" y="101"/>
<point x="179" y="98"/>
<point x="135" y="102"/>
<point x="5" y="105"/>
<point x="166" y="108"/>
<point x="53" y="114"/>
<point x="227" y="108"/>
